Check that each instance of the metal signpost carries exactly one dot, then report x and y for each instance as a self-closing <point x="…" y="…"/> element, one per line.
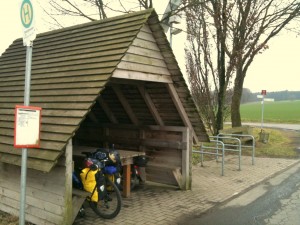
<point x="27" y="19"/>
<point x="262" y="96"/>
<point x="263" y="136"/>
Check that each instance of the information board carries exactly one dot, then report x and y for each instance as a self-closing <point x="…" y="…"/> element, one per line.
<point x="27" y="127"/>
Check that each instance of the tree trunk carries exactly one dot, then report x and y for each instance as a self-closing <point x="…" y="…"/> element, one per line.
<point x="220" y="112"/>
<point x="236" y="100"/>
<point x="221" y="24"/>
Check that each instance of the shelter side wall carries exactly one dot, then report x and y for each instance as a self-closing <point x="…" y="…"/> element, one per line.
<point x="45" y="201"/>
<point x="168" y="151"/>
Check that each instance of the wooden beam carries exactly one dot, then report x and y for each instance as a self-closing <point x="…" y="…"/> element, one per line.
<point x="145" y="127"/>
<point x="126" y="105"/>
<point x="178" y="104"/>
<point x="124" y="81"/>
<point x="187" y="160"/>
<point x="166" y="128"/>
<point x="164" y="144"/>
<point x="92" y="116"/>
<point x="133" y="75"/>
<point x="150" y="105"/>
<point x="107" y="110"/>
<point x="68" y="217"/>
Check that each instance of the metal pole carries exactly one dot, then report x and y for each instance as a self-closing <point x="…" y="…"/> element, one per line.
<point x="253" y="150"/>
<point x="171" y="34"/>
<point x="262" y="114"/>
<point x="223" y="157"/>
<point x="240" y="153"/>
<point x="201" y="149"/>
<point x="24" y="150"/>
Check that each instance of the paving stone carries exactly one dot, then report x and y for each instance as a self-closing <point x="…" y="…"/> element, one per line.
<point x="163" y="205"/>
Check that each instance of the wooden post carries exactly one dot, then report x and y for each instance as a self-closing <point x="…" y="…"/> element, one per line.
<point x="187" y="160"/>
<point x="142" y="149"/>
<point x="126" y="183"/>
<point x="68" y="217"/>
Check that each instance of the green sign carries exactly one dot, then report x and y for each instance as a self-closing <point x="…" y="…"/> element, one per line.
<point x="26" y="13"/>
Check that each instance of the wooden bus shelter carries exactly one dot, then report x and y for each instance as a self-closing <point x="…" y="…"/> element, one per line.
<point x="114" y="81"/>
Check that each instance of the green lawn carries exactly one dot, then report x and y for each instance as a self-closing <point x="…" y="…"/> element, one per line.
<point x="276" y="112"/>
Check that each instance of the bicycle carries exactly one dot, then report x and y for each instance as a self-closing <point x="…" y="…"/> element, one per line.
<point x="97" y="177"/>
<point x="136" y="174"/>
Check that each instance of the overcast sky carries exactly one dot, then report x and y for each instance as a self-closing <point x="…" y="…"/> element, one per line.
<point x="275" y="70"/>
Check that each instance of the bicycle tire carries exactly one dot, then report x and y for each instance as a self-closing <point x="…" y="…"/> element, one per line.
<point x="110" y="206"/>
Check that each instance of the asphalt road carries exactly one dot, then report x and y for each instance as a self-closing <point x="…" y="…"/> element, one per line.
<point x="274" y="202"/>
<point x="276" y="125"/>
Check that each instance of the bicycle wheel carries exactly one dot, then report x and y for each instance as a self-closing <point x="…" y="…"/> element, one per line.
<point x="110" y="206"/>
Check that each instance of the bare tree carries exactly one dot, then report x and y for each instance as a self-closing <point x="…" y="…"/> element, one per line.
<point x="93" y="9"/>
<point x="206" y="62"/>
<point x="223" y="39"/>
<point x="79" y="8"/>
<point x="146" y="4"/>
<point x="254" y="25"/>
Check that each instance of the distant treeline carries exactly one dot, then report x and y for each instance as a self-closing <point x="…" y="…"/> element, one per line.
<point x="248" y="96"/>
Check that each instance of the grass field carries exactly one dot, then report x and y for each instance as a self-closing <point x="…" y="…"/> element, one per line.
<point x="275" y="112"/>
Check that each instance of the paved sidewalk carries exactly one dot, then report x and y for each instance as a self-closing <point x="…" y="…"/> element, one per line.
<point x="155" y="204"/>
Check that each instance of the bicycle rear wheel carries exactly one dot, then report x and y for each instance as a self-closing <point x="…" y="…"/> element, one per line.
<point x="110" y="206"/>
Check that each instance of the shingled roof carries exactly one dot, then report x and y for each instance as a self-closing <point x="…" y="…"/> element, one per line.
<point x="70" y="69"/>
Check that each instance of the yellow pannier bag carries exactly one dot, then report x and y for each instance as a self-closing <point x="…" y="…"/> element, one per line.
<point x="88" y="178"/>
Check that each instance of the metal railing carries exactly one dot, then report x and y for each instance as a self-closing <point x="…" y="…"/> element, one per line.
<point x="232" y="147"/>
<point x="202" y="148"/>
<point x="243" y="146"/>
<point x="226" y="147"/>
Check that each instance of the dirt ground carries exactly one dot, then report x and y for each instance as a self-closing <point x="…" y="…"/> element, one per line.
<point x="6" y="219"/>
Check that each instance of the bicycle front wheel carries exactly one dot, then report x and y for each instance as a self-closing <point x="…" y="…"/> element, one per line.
<point x="110" y="206"/>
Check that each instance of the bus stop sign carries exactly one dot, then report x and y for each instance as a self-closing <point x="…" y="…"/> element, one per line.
<point x="27" y="19"/>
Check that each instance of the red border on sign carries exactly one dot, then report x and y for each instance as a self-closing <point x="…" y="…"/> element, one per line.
<point x="264" y="92"/>
<point x="15" y="126"/>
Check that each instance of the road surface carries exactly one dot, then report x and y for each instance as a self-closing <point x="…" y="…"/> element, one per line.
<point x="274" y="202"/>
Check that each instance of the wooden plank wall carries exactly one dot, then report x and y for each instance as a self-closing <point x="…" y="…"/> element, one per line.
<point x="167" y="147"/>
<point x="45" y="201"/>
<point x="143" y="60"/>
<point x="168" y="155"/>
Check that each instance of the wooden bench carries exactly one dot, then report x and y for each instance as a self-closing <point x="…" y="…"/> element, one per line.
<point x="243" y="130"/>
<point x="78" y="198"/>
